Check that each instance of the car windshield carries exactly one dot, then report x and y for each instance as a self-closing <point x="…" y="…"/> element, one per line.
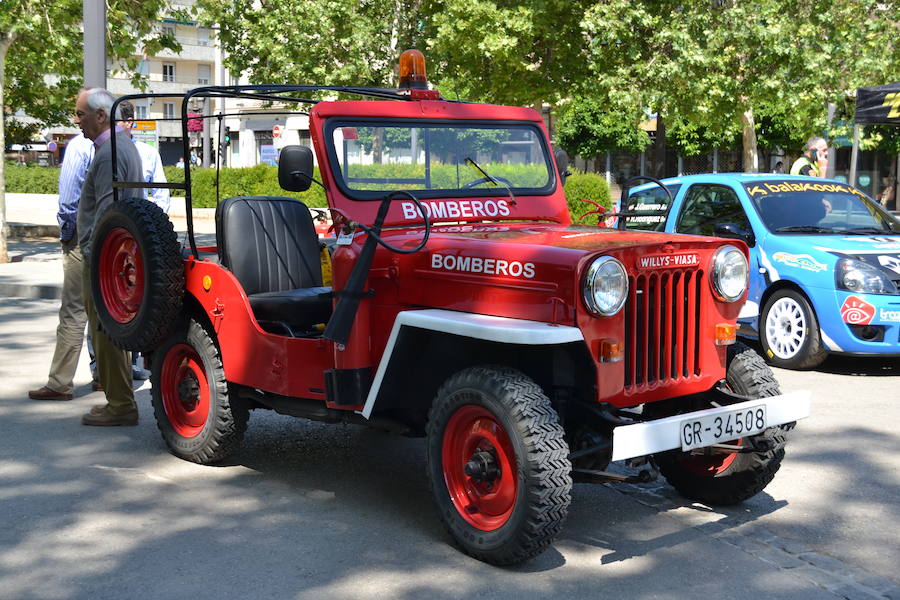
<point x="651" y="205"/>
<point x="801" y="207"/>
<point x="440" y="159"/>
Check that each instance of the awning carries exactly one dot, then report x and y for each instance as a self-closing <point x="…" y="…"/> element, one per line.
<point x="878" y="104"/>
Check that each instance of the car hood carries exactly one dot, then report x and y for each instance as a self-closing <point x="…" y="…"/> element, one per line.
<point x="814" y="255"/>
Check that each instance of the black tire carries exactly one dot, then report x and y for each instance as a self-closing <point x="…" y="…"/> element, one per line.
<point x="137" y="274"/>
<point x="730" y="479"/>
<point x="512" y="513"/>
<point x="789" y="332"/>
<point x="198" y="416"/>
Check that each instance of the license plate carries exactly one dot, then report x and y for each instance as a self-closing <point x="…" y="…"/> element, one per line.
<point x="722" y="427"/>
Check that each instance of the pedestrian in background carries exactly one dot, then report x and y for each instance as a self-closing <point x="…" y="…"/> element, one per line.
<point x="93" y="116"/>
<point x="814" y="160"/>
<point x="779" y="168"/>
<point x="150" y="159"/>
<point x="72" y="317"/>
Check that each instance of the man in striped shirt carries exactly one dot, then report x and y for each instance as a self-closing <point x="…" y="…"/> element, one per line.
<point x="72" y="317"/>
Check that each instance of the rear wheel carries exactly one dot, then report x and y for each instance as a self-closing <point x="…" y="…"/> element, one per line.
<point x="723" y="479"/>
<point x="137" y="274"/>
<point x="498" y="464"/>
<point x="198" y="417"/>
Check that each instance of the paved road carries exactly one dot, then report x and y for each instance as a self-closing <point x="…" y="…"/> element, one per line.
<point x="312" y="511"/>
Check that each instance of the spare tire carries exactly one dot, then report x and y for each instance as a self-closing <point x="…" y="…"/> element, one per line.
<point x="137" y="274"/>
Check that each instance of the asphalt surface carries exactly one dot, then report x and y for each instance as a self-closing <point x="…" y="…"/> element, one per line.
<point x="306" y="510"/>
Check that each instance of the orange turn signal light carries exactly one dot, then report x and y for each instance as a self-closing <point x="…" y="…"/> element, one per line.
<point x="412" y="70"/>
<point x="610" y="351"/>
<point x="207" y="283"/>
<point x="726" y="334"/>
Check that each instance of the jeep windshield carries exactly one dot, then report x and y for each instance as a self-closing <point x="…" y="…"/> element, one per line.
<point x="817" y="208"/>
<point x="436" y="159"/>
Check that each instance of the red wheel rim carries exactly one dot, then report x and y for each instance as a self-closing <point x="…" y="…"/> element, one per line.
<point x="121" y="275"/>
<point x="710" y="466"/>
<point x="487" y="503"/>
<point x="185" y="390"/>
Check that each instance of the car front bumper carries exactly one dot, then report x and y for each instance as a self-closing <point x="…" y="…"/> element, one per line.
<point x="650" y="437"/>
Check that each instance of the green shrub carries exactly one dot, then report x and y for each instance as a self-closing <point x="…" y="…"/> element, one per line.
<point x="586" y="186"/>
<point x="31" y="179"/>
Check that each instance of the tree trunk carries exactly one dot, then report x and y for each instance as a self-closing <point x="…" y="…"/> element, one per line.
<point x="751" y="158"/>
<point x="5" y="43"/>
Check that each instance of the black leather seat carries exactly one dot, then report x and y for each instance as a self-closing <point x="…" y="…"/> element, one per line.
<point x="271" y="246"/>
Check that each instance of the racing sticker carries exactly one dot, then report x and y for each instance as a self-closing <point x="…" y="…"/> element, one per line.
<point x="888" y="315"/>
<point x="801" y="261"/>
<point x="890" y="262"/>
<point x="857" y="311"/>
<point x="668" y="261"/>
<point x="487" y="266"/>
<point x="765" y="188"/>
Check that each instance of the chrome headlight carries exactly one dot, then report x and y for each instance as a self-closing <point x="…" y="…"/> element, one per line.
<point x="856" y="276"/>
<point x="605" y="286"/>
<point x="730" y="272"/>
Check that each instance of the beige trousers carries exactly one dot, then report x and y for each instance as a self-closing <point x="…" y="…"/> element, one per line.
<point x="72" y="319"/>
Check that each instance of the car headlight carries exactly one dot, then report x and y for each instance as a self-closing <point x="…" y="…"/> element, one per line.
<point x="605" y="286"/>
<point x="856" y="276"/>
<point x="729" y="273"/>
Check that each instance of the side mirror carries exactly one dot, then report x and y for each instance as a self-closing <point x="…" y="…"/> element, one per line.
<point x="562" y="163"/>
<point x="295" y="168"/>
<point x="735" y="232"/>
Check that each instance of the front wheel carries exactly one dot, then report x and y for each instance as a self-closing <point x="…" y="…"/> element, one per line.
<point x="199" y="419"/>
<point x="723" y="479"/>
<point x="498" y="464"/>
<point x="789" y="332"/>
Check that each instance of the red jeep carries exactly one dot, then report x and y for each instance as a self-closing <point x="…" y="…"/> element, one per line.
<point x="456" y="302"/>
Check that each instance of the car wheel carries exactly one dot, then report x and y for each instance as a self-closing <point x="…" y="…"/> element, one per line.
<point x="724" y="479"/>
<point x="137" y="274"/>
<point x="498" y="464"/>
<point x="200" y="420"/>
<point x="789" y="332"/>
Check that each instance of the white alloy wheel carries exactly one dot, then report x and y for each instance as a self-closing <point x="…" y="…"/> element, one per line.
<point x="786" y="328"/>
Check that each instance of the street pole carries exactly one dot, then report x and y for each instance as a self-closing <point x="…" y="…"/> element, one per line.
<point x="94" y="15"/>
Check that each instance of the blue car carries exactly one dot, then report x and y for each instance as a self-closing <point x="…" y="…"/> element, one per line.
<point x="824" y="258"/>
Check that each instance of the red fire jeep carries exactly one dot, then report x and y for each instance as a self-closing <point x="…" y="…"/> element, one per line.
<point x="456" y="302"/>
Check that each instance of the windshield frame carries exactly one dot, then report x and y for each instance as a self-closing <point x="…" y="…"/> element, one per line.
<point x="336" y="122"/>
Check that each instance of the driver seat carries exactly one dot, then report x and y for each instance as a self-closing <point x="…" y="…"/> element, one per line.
<point x="271" y="246"/>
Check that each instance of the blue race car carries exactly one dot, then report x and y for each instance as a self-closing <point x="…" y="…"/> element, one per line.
<point x="824" y="258"/>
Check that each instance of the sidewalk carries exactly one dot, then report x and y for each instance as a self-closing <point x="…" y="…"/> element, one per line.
<point x="35" y="270"/>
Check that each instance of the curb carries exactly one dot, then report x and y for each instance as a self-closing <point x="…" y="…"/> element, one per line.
<point x="33" y="291"/>
<point x="19" y="231"/>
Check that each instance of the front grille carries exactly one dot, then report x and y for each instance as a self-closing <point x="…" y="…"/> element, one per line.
<point x="662" y="328"/>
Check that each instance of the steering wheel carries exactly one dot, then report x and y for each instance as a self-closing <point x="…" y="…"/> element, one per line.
<point x="481" y="180"/>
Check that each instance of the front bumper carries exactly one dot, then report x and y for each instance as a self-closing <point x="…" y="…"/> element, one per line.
<point x="650" y="437"/>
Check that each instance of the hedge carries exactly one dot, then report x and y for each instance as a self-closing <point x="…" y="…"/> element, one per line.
<point x="262" y="180"/>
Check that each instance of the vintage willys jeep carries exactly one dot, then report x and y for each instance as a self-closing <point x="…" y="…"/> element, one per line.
<point x="457" y="302"/>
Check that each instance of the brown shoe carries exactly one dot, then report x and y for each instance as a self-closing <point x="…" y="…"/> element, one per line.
<point x="46" y="393"/>
<point x="96" y="386"/>
<point x="104" y="418"/>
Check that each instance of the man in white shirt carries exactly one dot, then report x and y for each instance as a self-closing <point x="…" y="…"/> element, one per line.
<point x="150" y="159"/>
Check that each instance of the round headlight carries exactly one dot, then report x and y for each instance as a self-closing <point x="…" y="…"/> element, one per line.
<point x="729" y="273"/>
<point x="605" y="286"/>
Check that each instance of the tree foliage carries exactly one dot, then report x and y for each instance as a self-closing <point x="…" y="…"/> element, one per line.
<point x="41" y="57"/>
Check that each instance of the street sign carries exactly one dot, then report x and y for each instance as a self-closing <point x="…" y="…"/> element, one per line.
<point x="51" y="146"/>
<point x="144" y="125"/>
<point x="276" y="131"/>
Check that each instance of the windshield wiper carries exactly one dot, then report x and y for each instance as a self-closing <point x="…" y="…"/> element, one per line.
<point x="496" y="181"/>
<point x="804" y="229"/>
<point x="864" y="230"/>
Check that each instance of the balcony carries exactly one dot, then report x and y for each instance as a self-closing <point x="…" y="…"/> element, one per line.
<point x="191" y="49"/>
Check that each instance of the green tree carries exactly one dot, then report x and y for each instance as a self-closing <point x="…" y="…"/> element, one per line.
<point x="340" y="42"/>
<point x="41" y="58"/>
<point x="588" y="126"/>
<point x="720" y="65"/>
